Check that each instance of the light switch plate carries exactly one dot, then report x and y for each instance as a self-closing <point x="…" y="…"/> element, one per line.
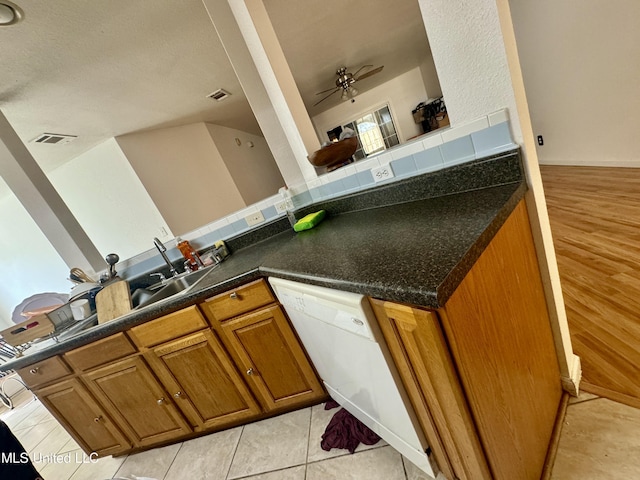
<point x="383" y="172"/>
<point x="254" y="219"/>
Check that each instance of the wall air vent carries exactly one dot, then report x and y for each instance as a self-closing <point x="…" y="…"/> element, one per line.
<point x="219" y="95"/>
<point x="54" y="138"/>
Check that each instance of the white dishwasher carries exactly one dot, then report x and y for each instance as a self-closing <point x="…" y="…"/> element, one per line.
<point x="342" y="337"/>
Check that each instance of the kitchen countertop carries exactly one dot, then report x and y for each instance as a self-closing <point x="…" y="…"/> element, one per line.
<point x="415" y="251"/>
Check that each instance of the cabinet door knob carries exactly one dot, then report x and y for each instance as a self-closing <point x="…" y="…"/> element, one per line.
<point x="178" y="394"/>
<point x="250" y="371"/>
<point x="161" y="401"/>
<point x="33" y="371"/>
<point x="98" y="419"/>
<point x="233" y="295"/>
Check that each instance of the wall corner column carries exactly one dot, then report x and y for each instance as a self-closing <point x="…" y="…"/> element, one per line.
<point x="267" y="84"/>
<point x="33" y="189"/>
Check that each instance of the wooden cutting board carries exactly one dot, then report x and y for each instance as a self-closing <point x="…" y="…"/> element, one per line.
<point x="113" y="301"/>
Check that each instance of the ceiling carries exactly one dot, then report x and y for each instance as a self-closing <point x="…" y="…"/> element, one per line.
<point x="102" y="69"/>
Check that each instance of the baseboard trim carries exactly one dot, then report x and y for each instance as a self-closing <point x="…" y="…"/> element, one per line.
<point x="611" y="395"/>
<point x="592" y="163"/>
<point x="552" y="451"/>
<point x="571" y="384"/>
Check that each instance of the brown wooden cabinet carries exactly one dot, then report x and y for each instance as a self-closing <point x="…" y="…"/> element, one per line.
<point x="268" y="352"/>
<point x="44" y="372"/>
<point x="85" y="420"/>
<point x="419" y="350"/>
<point x="482" y="370"/>
<point x="137" y="402"/>
<point x="203" y="381"/>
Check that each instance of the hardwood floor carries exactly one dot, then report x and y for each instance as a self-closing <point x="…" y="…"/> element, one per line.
<point x="595" y="221"/>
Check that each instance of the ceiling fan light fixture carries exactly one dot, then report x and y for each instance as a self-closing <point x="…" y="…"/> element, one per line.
<point x="349" y="92"/>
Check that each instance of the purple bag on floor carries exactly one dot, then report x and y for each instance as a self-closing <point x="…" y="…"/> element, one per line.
<point x="346" y="431"/>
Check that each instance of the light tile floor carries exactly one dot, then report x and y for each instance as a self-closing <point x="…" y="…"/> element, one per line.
<point x="600" y="440"/>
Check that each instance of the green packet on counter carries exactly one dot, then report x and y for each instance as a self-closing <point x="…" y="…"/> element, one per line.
<point x="309" y="221"/>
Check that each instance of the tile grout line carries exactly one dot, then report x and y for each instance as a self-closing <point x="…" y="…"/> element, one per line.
<point x="306" y="459"/>
<point x="584" y="401"/>
<point x="235" y="450"/>
<point x="172" y="462"/>
<point x="404" y="467"/>
<point x="348" y="453"/>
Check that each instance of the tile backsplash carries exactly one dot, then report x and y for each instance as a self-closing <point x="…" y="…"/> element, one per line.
<point x="430" y="152"/>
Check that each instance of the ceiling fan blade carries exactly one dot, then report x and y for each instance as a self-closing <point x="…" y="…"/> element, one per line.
<point x="355" y="75"/>
<point x="334" y="91"/>
<point x="327" y="90"/>
<point x="370" y="72"/>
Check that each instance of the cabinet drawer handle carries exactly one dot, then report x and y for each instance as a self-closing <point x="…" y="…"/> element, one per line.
<point x="233" y="295"/>
<point x="33" y="371"/>
<point x="160" y="401"/>
<point x="98" y="419"/>
<point x="250" y="371"/>
<point x="178" y="394"/>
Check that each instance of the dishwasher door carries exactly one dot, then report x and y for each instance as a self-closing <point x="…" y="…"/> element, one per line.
<point x="342" y="337"/>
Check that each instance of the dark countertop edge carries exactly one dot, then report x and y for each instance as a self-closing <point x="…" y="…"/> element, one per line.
<point x="386" y="292"/>
<point x="455" y="277"/>
<point x="414" y="296"/>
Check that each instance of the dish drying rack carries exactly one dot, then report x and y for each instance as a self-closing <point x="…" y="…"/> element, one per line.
<point x="8" y="352"/>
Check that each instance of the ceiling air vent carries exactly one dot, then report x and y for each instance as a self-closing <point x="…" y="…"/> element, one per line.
<point x="54" y="138"/>
<point x="219" y="95"/>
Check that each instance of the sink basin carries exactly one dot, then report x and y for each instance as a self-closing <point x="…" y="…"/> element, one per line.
<point x="143" y="297"/>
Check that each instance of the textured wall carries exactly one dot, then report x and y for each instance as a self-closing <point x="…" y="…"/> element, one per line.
<point x="184" y="174"/>
<point x="29" y="262"/>
<point x="253" y="169"/>
<point x="108" y="199"/>
<point x="579" y="61"/>
<point x="470" y="58"/>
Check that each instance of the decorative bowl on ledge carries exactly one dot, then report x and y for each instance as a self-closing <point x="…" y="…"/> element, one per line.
<point x="335" y="154"/>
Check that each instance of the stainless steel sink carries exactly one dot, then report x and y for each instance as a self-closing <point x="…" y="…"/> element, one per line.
<point x="144" y="297"/>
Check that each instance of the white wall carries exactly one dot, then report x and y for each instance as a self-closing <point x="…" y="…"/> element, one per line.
<point x="473" y="46"/>
<point x="469" y="54"/>
<point x="29" y="262"/>
<point x="580" y="66"/>
<point x="104" y="193"/>
<point x="402" y="94"/>
<point x="184" y="173"/>
<point x="430" y="78"/>
<point x="250" y="164"/>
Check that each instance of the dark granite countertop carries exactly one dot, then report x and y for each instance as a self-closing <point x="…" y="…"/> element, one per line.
<point x="416" y="251"/>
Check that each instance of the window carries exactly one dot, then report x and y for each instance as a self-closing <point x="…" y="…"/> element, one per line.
<point x="375" y="131"/>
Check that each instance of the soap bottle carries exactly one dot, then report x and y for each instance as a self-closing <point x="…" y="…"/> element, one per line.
<point x="285" y="193"/>
<point x="189" y="253"/>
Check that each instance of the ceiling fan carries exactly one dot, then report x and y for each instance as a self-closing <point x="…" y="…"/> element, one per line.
<point x="346" y="80"/>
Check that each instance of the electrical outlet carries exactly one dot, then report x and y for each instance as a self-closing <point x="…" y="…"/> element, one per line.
<point x="254" y="219"/>
<point x="382" y="172"/>
<point x="281" y="207"/>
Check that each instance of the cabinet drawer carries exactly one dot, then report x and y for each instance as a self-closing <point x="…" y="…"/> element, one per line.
<point x="43" y="372"/>
<point x="238" y="301"/>
<point x="167" y="328"/>
<point x="101" y="352"/>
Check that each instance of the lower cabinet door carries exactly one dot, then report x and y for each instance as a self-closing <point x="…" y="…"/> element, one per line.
<point x="86" y="421"/>
<point x="420" y="352"/>
<point x="203" y="381"/>
<point x="137" y="402"/>
<point x="273" y="361"/>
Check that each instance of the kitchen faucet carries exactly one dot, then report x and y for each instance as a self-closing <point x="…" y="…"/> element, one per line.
<point x="162" y="249"/>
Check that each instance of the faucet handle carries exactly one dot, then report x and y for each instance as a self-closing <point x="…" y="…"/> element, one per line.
<point x="161" y="277"/>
